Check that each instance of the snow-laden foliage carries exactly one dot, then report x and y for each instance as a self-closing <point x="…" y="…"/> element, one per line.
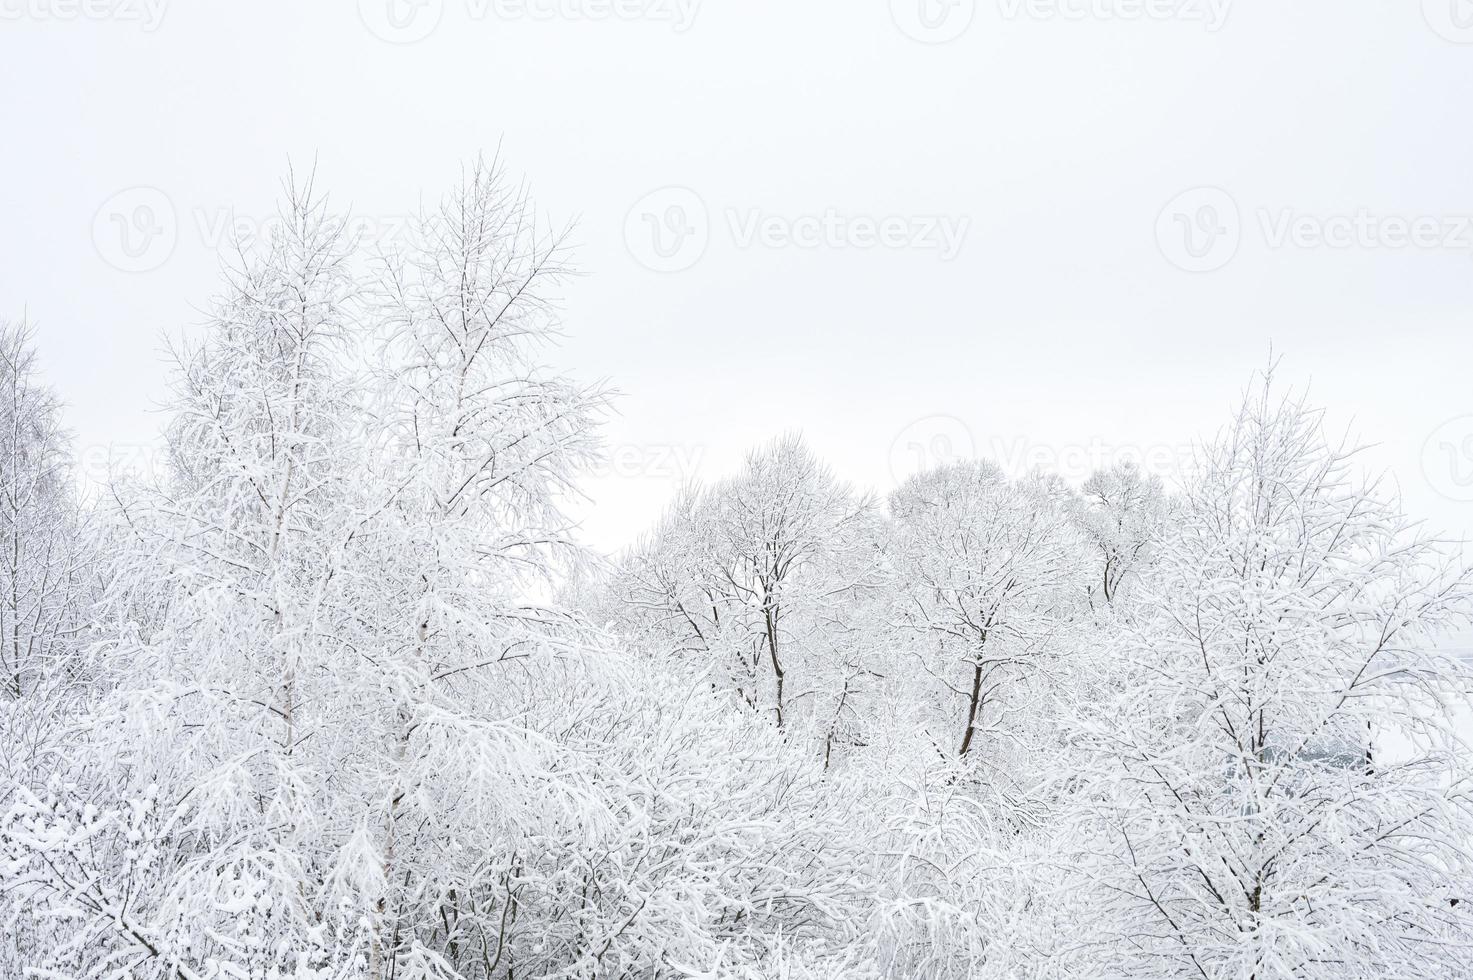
<point x="1120" y="512"/>
<point x="1275" y="787"/>
<point x="761" y="578"/>
<point x="338" y="694"/>
<point x="988" y="577"/>
<point x="44" y="587"/>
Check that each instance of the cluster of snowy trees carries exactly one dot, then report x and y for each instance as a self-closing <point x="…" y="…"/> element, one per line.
<point x="338" y="694"/>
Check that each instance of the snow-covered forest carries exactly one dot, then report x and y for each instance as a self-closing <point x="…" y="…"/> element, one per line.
<point x="340" y="694"/>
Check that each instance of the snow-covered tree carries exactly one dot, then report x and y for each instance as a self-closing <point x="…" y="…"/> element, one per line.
<point x="478" y="446"/>
<point x="986" y="575"/>
<point x="46" y="593"/>
<point x="666" y="593"/>
<point x="42" y="583"/>
<point x="761" y="579"/>
<point x="1120" y="511"/>
<point x="339" y="696"/>
<point x="191" y="829"/>
<point x="1277" y="787"/>
<point x="779" y="529"/>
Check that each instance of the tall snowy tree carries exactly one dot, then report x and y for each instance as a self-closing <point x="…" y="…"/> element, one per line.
<point x="46" y="596"/>
<point x="42" y="585"/>
<point x="479" y="448"/>
<point x="1279" y="790"/>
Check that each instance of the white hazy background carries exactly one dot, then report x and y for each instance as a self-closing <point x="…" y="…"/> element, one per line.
<point x="1149" y="193"/>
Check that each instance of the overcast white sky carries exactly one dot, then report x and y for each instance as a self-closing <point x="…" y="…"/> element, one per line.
<point x="1048" y="231"/>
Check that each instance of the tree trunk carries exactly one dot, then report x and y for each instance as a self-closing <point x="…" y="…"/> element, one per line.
<point x="777" y="669"/>
<point x="975" y="703"/>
